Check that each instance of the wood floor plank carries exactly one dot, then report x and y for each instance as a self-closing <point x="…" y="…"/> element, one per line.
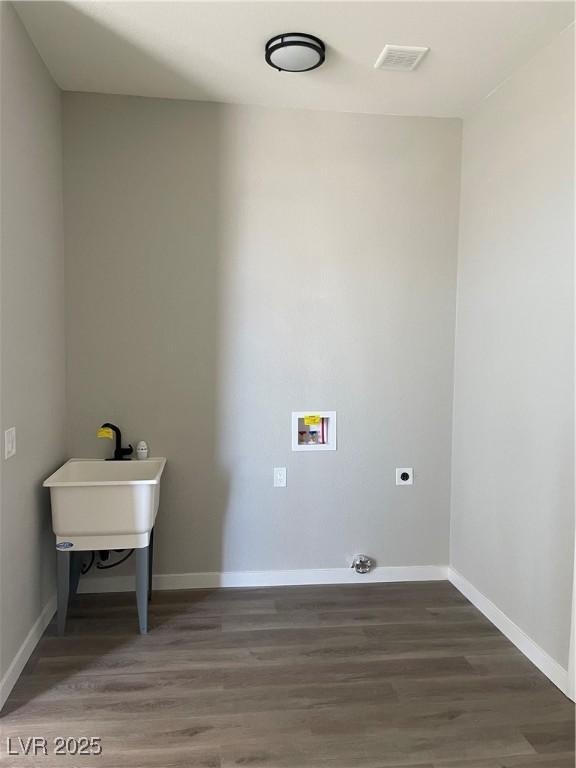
<point x="177" y="702"/>
<point x="458" y="689"/>
<point x="382" y="675"/>
<point x="363" y="648"/>
<point x="103" y="659"/>
<point x="187" y="637"/>
<point x="508" y="662"/>
<point x="391" y="747"/>
<point x="565" y="760"/>
<point x="270" y="676"/>
<point x="430" y="631"/>
<point x="551" y="737"/>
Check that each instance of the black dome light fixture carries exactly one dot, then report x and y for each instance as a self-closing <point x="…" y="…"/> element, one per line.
<point x="295" y="52"/>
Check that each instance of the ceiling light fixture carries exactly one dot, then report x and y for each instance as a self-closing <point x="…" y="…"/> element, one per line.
<point x="295" y="52"/>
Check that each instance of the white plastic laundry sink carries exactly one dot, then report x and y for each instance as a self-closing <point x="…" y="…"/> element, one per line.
<point x="99" y="504"/>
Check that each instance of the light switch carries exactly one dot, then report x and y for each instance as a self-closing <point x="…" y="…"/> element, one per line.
<point x="10" y="443"/>
<point x="279" y="477"/>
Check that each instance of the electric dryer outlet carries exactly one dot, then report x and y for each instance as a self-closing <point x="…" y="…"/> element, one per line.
<point x="404" y="476"/>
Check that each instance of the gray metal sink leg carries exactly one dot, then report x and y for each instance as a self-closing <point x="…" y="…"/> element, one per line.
<point x="63" y="566"/>
<point x="142" y="586"/>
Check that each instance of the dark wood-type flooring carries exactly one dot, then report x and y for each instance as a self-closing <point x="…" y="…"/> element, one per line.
<point x="376" y="676"/>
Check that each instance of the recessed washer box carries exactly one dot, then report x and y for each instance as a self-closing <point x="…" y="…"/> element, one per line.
<point x="313" y="430"/>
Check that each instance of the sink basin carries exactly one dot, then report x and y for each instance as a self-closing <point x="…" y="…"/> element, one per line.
<point x="99" y="504"/>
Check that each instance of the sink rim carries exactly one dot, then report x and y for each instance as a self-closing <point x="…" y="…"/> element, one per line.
<point x="53" y="482"/>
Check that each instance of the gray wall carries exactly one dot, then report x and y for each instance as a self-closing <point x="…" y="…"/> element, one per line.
<point x="227" y="265"/>
<point x="32" y="360"/>
<point x="513" y="456"/>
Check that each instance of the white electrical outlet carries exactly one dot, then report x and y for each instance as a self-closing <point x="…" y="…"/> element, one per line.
<point x="279" y="477"/>
<point x="10" y="443"/>
<point x="404" y="476"/>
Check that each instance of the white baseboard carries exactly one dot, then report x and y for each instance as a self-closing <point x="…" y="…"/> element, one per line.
<point x="269" y="578"/>
<point x="538" y="656"/>
<point x="25" y="651"/>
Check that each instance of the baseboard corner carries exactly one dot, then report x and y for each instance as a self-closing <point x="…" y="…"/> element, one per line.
<point x="537" y="655"/>
<point x="25" y="651"/>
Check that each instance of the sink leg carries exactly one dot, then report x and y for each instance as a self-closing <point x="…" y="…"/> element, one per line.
<point x="142" y="558"/>
<point x="150" y="559"/>
<point x="76" y="560"/>
<point x="63" y="565"/>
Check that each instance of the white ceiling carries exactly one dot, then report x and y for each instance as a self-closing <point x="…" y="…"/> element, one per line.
<point x="213" y="51"/>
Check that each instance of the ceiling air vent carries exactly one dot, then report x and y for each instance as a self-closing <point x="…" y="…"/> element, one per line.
<point x="403" y="58"/>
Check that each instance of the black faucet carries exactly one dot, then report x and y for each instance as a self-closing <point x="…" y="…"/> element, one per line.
<point x="120" y="454"/>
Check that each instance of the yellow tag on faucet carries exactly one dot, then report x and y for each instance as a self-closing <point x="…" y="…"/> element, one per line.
<point x="105" y="432"/>
<point x="311" y="420"/>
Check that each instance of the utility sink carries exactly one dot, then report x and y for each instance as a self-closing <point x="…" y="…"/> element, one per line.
<point x="98" y="505"/>
<point x="101" y="505"/>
